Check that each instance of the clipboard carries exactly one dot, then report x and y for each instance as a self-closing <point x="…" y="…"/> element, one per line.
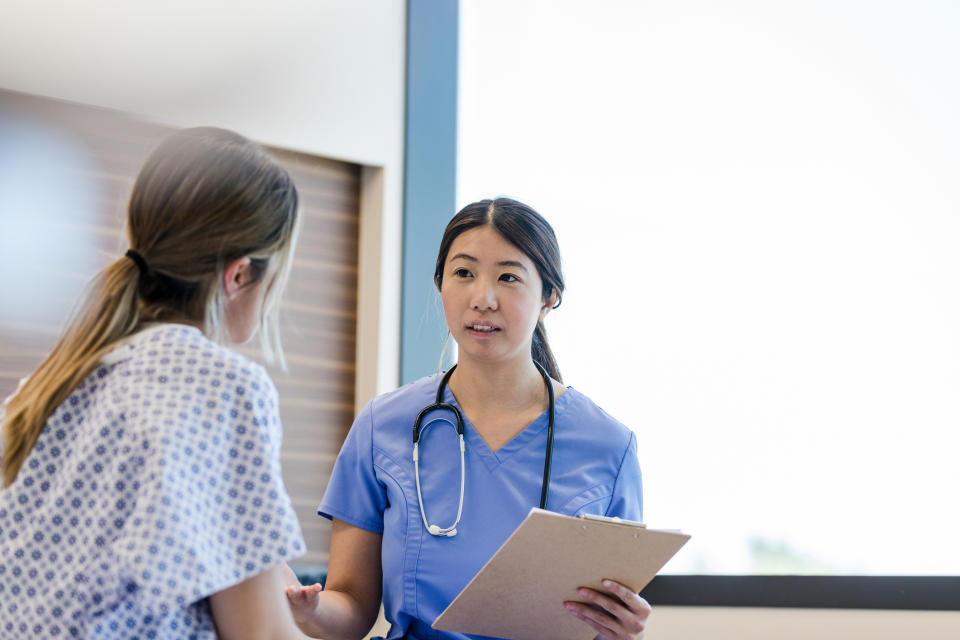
<point x="519" y="593"/>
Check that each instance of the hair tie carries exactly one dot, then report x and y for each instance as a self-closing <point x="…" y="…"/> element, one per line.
<point x="139" y="261"/>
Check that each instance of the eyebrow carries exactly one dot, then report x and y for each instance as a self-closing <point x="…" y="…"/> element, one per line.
<point x="502" y="263"/>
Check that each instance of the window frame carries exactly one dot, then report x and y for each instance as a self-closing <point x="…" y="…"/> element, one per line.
<point x="921" y="593"/>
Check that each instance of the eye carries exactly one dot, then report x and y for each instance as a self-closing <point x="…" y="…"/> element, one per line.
<point x="462" y="273"/>
<point x="509" y="277"/>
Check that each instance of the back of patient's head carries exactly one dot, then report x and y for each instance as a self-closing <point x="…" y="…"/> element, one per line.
<point x="203" y="199"/>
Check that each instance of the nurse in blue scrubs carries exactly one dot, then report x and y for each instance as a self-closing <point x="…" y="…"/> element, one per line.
<point x="499" y="276"/>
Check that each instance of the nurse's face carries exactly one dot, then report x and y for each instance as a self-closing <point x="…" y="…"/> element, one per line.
<point x="491" y="294"/>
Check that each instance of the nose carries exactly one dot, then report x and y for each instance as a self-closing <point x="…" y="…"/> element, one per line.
<point x="483" y="296"/>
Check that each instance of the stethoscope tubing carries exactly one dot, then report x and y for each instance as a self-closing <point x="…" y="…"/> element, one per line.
<point x="440" y="405"/>
<point x="547" y="460"/>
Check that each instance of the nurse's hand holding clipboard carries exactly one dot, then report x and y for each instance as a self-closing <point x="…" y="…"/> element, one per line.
<point x="613" y="618"/>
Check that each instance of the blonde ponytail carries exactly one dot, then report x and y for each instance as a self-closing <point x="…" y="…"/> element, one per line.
<point x="204" y="198"/>
<point x="107" y="312"/>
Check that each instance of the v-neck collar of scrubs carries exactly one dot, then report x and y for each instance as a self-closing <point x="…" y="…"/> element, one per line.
<point x="475" y="443"/>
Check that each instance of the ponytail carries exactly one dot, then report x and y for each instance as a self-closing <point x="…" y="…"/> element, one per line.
<point x="542" y="354"/>
<point x="108" y="312"/>
<point x="204" y="198"/>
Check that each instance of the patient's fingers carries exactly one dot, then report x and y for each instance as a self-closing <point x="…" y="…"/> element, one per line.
<point x="300" y="594"/>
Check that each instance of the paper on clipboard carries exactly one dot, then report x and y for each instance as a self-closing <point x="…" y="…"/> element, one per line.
<point x="519" y="593"/>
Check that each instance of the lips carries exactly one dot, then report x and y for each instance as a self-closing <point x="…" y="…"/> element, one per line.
<point x="483" y="327"/>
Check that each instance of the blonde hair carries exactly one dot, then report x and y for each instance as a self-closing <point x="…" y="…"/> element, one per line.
<point x="204" y="198"/>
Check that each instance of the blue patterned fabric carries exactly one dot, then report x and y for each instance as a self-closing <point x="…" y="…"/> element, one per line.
<point x="154" y="485"/>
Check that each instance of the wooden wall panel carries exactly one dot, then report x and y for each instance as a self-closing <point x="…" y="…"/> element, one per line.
<point x="318" y="312"/>
<point x="319" y="317"/>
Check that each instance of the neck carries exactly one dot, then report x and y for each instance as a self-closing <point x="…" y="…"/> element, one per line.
<point x="501" y="386"/>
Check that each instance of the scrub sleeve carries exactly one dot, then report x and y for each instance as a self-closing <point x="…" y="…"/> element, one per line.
<point x="627" y="499"/>
<point x="354" y="493"/>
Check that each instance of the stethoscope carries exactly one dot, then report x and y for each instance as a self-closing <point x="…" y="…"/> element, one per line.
<point x="440" y="405"/>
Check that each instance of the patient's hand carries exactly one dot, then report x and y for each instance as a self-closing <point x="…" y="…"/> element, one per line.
<point x="303" y="601"/>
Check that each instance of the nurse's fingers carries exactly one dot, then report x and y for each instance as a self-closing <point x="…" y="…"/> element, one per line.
<point x="629" y="597"/>
<point x="622" y="612"/>
<point x="626" y="620"/>
<point x="606" y="627"/>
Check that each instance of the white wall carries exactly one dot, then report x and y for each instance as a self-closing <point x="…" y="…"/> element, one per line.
<point x="686" y="623"/>
<point x="323" y="77"/>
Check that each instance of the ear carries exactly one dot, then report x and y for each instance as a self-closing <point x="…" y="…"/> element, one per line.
<point x="236" y="275"/>
<point x="549" y="304"/>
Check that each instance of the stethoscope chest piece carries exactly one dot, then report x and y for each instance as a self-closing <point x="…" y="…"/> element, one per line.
<point x="439" y="405"/>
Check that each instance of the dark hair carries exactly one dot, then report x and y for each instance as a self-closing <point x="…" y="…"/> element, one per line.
<point x="527" y="230"/>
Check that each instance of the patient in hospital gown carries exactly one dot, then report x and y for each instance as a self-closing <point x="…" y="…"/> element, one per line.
<point x="156" y="484"/>
<point x="141" y="492"/>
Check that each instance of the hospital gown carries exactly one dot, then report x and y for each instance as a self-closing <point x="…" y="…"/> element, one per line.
<point x="154" y="485"/>
<point x="594" y="471"/>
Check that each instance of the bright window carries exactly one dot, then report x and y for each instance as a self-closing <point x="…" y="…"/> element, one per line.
<point x="758" y="206"/>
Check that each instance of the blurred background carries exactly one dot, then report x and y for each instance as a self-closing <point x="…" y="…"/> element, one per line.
<point x="759" y="210"/>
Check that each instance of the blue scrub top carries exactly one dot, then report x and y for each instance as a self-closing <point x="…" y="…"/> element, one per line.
<point x="594" y="471"/>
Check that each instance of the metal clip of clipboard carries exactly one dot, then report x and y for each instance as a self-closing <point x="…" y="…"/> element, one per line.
<point x="613" y="520"/>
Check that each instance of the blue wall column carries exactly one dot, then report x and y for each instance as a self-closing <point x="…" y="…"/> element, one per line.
<point x="430" y="171"/>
